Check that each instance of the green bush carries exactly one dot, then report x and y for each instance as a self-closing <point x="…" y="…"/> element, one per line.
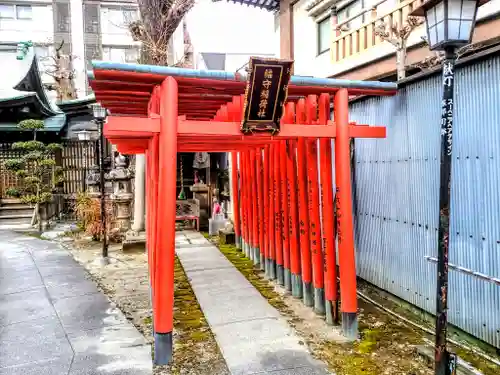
<point x="31" y="124"/>
<point x="31" y="180"/>
<point x="14" y="164"/>
<point x="48" y="163"/>
<point x="36" y="169"/>
<point x="33" y="156"/>
<point x="21" y="173"/>
<point x="13" y="192"/>
<point x="53" y="148"/>
<point x="33" y="199"/>
<point x="29" y="146"/>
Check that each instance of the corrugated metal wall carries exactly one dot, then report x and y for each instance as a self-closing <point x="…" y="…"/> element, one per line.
<point x="397" y="182"/>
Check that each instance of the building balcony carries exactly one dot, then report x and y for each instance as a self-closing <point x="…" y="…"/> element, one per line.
<point x="356" y="40"/>
<point x="350" y="41"/>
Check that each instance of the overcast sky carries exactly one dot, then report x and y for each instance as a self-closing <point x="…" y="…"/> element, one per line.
<point x="229" y="27"/>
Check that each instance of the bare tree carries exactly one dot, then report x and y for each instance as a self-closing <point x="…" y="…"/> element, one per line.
<point x="398" y="35"/>
<point x="63" y="73"/>
<point x="158" y="22"/>
<point x="436" y="59"/>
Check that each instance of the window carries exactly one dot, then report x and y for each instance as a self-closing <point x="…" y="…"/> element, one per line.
<point x="23" y="12"/>
<point x="92" y="52"/>
<point x="91" y="18"/>
<point x="132" y="55"/>
<point x="19" y="12"/>
<point x="62" y="17"/>
<point x="122" y="55"/>
<point x="7" y="11"/>
<point x="324" y="35"/>
<point x="354" y="8"/>
<point x="130" y="15"/>
<point x="116" y="21"/>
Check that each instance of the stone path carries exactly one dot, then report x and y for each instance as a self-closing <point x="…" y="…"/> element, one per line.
<point x="54" y="321"/>
<point x="251" y="334"/>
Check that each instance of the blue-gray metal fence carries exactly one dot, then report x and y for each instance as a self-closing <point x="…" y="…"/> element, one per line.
<point x="397" y="184"/>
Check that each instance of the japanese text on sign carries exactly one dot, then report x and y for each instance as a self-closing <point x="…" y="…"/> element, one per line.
<point x="265" y="94"/>
<point x="447" y="123"/>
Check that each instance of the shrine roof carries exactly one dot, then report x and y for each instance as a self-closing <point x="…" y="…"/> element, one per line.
<point x="125" y="89"/>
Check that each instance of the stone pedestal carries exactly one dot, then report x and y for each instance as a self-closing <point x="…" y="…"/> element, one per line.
<point x="202" y="193"/>
<point x="93" y="184"/>
<point x="134" y="241"/>
<point x="121" y="196"/>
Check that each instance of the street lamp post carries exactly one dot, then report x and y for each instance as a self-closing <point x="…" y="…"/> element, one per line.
<point x="100" y="114"/>
<point x="450" y="24"/>
<point x="84" y="136"/>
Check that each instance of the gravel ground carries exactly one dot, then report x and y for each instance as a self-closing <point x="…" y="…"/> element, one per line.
<point x="125" y="282"/>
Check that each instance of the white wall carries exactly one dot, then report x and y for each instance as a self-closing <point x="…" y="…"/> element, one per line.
<point x="37" y="29"/>
<point x="176" y="50"/>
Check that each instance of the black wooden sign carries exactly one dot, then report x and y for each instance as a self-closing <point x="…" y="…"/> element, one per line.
<point x="265" y="95"/>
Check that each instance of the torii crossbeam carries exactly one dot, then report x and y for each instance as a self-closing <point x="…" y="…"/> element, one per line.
<point x="283" y="213"/>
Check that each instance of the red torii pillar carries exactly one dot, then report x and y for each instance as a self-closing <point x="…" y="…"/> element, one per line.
<point x="163" y="291"/>
<point x="328" y="228"/>
<point x="158" y="136"/>
<point x="345" y="231"/>
<point x="305" y="249"/>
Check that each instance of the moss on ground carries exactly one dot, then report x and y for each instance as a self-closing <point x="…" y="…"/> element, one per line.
<point x="483" y="365"/>
<point x="386" y="346"/>
<point x="372" y="355"/>
<point x="195" y="347"/>
<point x="254" y="275"/>
<point x="35" y="234"/>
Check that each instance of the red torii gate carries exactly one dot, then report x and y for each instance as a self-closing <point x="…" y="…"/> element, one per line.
<point x="161" y="111"/>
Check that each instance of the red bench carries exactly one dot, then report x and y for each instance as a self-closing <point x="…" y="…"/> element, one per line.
<point x="188" y="210"/>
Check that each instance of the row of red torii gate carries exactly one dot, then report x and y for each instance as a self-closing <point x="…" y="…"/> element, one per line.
<point x="284" y="203"/>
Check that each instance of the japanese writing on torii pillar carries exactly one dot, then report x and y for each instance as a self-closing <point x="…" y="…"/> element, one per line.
<point x="264" y="93"/>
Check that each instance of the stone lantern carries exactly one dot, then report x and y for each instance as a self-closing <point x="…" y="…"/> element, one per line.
<point x="93" y="183"/>
<point x="122" y="195"/>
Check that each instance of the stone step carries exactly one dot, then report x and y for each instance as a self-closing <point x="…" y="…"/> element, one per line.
<point x="16" y="210"/>
<point x="15" y="219"/>
<point x="12" y="203"/>
<point x="18" y="227"/>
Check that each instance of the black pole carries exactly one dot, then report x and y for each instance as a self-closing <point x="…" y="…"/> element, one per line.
<point x="103" y="195"/>
<point x="444" y="361"/>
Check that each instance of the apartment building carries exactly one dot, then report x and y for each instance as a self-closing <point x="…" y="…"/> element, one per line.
<point x="349" y="46"/>
<point x="90" y="30"/>
<point x="338" y="38"/>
